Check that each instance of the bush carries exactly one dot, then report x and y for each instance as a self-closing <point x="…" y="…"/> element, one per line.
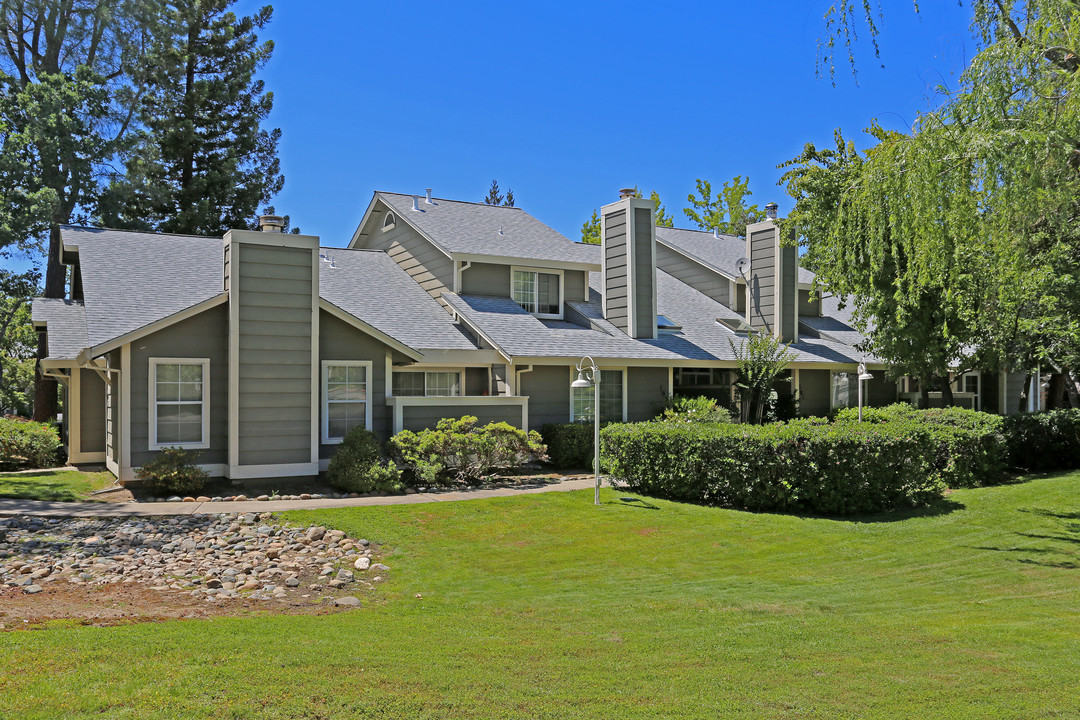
<point x="356" y="466"/>
<point x="1044" y="441"/>
<point x="969" y="446"/>
<point x="173" y="471"/>
<point x="694" y="409"/>
<point x="457" y="451"/>
<point x="569" y="445"/>
<point x="28" y="444"/>
<point x="834" y="469"/>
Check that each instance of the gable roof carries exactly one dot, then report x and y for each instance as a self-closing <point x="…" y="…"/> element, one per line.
<point x="371" y="287"/>
<point x="132" y="279"/>
<point x="65" y="324"/>
<point x="476" y="229"/>
<point x="718" y="253"/>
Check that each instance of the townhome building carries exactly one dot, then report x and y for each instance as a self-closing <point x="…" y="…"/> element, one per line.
<point x="262" y="349"/>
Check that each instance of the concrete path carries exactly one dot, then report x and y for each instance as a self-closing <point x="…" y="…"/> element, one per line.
<point x="104" y="509"/>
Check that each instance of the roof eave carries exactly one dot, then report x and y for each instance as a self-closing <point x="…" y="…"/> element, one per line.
<point x="529" y="262"/>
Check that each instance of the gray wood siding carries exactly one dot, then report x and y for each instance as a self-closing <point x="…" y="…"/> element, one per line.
<point x="274" y="375"/>
<point x="808" y="307"/>
<point x="548" y="390"/>
<point x="425" y="263"/>
<point x="499" y="385"/>
<point x="694" y="274"/>
<point x="616" y="282"/>
<point x="476" y="381"/>
<point x="486" y="279"/>
<point x="205" y="335"/>
<point x="789" y="296"/>
<point x="762" y="279"/>
<point x="91" y="412"/>
<point x="644" y="274"/>
<point x="646" y="390"/>
<point x="815" y="393"/>
<point x="577" y="285"/>
<point x="340" y="341"/>
<point x="418" y="417"/>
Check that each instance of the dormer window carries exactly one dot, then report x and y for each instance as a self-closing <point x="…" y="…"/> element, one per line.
<point x="389" y="221"/>
<point x="539" y="292"/>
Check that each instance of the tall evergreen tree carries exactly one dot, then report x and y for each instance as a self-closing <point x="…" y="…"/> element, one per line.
<point x="203" y="163"/>
<point x="495" y="196"/>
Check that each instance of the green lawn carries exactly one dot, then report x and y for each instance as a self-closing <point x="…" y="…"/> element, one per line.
<point x="545" y="606"/>
<point x="64" y="485"/>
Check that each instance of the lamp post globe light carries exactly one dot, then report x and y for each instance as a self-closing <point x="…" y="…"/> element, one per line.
<point x="863" y="375"/>
<point x="588" y="375"/>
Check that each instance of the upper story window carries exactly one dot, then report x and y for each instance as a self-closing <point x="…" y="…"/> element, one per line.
<point x="427" y="384"/>
<point x="179" y="403"/>
<point x="389" y="221"/>
<point x="538" y="292"/>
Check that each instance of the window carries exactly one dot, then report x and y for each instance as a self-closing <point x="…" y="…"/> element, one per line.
<point x="389" y="221"/>
<point x="179" y="403"/>
<point x="538" y="292"/>
<point x="844" y="389"/>
<point x="701" y="377"/>
<point x="429" y="384"/>
<point x="611" y="399"/>
<point x="345" y="398"/>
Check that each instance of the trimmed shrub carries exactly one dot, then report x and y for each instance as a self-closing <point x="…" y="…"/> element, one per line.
<point x="173" y="471"/>
<point x="569" y="445"/>
<point x="969" y="446"/>
<point x="1043" y="441"/>
<point x="837" y="469"/>
<point x="356" y="467"/>
<point x="28" y="444"/>
<point x="457" y="451"/>
<point x="694" y="409"/>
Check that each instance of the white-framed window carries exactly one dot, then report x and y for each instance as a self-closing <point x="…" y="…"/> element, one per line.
<point x="389" y="221"/>
<point x="345" y="400"/>
<point x="612" y="398"/>
<point x="702" y="377"/>
<point x="845" y="389"/>
<point x="430" y="383"/>
<point x="179" y="403"/>
<point x="539" y="292"/>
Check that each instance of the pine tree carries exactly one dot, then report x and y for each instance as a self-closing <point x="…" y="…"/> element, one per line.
<point x="204" y="163"/>
<point x="495" y="196"/>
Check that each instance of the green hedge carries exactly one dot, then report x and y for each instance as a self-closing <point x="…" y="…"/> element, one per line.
<point x="28" y="444"/>
<point x="837" y="469"/>
<point x="1044" y="441"/>
<point x="970" y="446"/>
<point x="569" y="445"/>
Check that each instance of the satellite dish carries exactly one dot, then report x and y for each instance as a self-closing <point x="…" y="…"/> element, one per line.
<point x="742" y="265"/>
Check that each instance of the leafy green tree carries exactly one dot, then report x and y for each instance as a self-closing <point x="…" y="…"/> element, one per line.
<point x="18" y="340"/>
<point x="965" y="229"/>
<point x="761" y="360"/>
<point x="203" y="163"/>
<point x="728" y="212"/>
<point x="590" y="230"/>
<point x="495" y="196"/>
<point x="662" y="218"/>
<point x="67" y="104"/>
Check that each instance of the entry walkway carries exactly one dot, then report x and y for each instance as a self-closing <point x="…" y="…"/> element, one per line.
<point x="41" y="508"/>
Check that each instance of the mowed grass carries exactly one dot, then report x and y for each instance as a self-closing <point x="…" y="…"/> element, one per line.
<point x="54" y="485"/>
<point x="545" y="606"/>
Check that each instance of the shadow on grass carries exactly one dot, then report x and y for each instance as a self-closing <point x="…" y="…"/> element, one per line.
<point x="37" y="486"/>
<point x="1059" y="549"/>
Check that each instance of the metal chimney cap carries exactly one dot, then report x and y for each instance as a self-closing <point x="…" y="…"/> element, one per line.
<point x="627" y="193"/>
<point x="271" y="223"/>
<point x="770" y="210"/>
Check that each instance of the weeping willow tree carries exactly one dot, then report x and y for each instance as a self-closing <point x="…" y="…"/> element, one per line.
<point x="959" y="241"/>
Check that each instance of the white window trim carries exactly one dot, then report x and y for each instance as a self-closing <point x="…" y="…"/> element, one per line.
<point x="625" y="375"/>
<point x="562" y="289"/>
<point x="152" y="394"/>
<point x="324" y="400"/>
<point x="459" y="370"/>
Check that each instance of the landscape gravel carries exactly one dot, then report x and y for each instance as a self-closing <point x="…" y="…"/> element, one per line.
<point x="216" y="558"/>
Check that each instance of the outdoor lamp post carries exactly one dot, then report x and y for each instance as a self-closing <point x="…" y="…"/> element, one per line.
<point x="589" y="375"/>
<point x="863" y="375"/>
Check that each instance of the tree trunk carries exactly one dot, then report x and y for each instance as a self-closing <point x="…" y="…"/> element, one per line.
<point x="1055" y="391"/>
<point x="1071" y="391"/>
<point x="45" y="388"/>
<point x="924" y="395"/>
<point x="946" y="392"/>
<point x="1022" y="407"/>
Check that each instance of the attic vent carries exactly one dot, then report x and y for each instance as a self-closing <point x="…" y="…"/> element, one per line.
<point x="389" y="221"/>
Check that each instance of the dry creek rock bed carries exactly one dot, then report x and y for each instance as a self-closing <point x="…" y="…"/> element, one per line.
<point x="107" y="570"/>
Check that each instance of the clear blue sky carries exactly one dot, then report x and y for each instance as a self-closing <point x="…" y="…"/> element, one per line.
<point x="567" y="102"/>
